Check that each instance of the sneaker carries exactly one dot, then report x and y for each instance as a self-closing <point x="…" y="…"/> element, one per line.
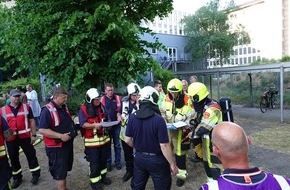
<point x="34" y="180"/>
<point x="106" y="181"/>
<point x="179" y="182"/>
<point x="127" y="176"/>
<point x="118" y="166"/>
<point x="16" y="183"/>
<point x="109" y="168"/>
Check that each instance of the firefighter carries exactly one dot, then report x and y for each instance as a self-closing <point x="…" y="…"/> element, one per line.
<point x="178" y="107"/>
<point x="96" y="138"/>
<point x="113" y="103"/>
<point x="5" y="169"/>
<point x="147" y="133"/>
<point x="56" y="126"/>
<point x="208" y="114"/>
<point x="20" y="119"/>
<point x="129" y="105"/>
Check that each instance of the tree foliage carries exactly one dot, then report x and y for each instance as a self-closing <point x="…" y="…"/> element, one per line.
<point x="80" y="42"/>
<point x="211" y="35"/>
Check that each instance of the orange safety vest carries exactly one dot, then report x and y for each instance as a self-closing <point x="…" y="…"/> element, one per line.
<point x="118" y="102"/>
<point x="94" y="137"/>
<point x="19" y="124"/>
<point x="55" y="121"/>
<point x="2" y="146"/>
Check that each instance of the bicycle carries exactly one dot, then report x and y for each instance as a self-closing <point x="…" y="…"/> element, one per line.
<point x="269" y="99"/>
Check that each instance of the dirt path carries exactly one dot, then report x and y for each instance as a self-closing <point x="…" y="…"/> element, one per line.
<point x="251" y="119"/>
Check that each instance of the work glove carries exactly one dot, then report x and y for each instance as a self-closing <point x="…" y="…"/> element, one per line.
<point x="180" y="117"/>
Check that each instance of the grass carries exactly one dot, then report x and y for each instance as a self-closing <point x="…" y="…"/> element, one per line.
<point x="276" y="138"/>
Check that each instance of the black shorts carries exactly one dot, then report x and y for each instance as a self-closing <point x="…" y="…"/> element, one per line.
<point x="60" y="161"/>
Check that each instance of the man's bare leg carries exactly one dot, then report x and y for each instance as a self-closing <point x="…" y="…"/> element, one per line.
<point x="61" y="184"/>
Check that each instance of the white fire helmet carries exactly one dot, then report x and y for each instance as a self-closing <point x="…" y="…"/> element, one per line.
<point x="91" y="94"/>
<point x="148" y="93"/>
<point x="133" y="88"/>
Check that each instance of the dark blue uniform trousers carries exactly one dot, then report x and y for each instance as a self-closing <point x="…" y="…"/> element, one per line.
<point x="155" y="166"/>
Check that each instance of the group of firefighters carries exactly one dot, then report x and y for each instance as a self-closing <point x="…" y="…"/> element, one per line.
<point x="194" y="107"/>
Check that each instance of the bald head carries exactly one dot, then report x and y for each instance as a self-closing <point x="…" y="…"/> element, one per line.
<point x="231" y="140"/>
<point x="193" y="79"/>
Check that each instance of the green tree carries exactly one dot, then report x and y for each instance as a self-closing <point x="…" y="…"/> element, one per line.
<point x="211" y="35"/>
<point x="80" y="42"/>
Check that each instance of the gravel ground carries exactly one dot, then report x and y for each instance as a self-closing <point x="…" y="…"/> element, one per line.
<point x="251" y="119"/>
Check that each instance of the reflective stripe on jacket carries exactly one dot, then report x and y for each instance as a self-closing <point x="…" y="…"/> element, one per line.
<point x="125" y="116"/>
<point x="168" y="105"/>
<point x="118" y="102"/>
<point x="55" y="121"/>
<point x="94" y="137"/>
<point x="266" y="183"/>
<point x="19" y="124"/>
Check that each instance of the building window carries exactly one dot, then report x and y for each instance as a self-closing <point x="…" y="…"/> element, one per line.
<point x="245" y="50"/>
<point x="254" y="58"/>
<point x="237" y="61"/>
<point x="240" y="51"/>
<point x="254" y="50"/>
<point x="245" y="60"/>
<point x="153" y="51"/>
<point x="236" y="51"/>
<point x="172" y="54"/>
<point x="249" y="60"/>
<point x="241" y="61"/>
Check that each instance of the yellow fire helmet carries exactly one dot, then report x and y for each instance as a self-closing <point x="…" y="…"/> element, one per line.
<point x="197" y="91"/>
<point x="174" y="85"/>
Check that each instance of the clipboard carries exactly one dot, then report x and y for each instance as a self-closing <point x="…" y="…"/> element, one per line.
<point x="109" y="123"/>
<point x="177" y="125"/>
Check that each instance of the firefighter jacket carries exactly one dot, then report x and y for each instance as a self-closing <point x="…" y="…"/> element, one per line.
<point x="127" y="109"/>
<point x="19" y="124"/>
<point x="210" y="117"/>
<point x="173" y="113"/>
<point x="94" y="137"/>
<point x="55" y="121"/>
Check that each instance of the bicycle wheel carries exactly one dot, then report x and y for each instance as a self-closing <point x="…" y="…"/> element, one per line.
<point x="263" y="104"/>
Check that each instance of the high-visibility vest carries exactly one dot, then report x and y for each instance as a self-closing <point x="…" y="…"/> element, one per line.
<point x="118" y="102"/>
<point x="2" y="146"/>
<point x="94" y="137"/>
<point x="19" y="124"/>
<point x="55" y="121"/>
